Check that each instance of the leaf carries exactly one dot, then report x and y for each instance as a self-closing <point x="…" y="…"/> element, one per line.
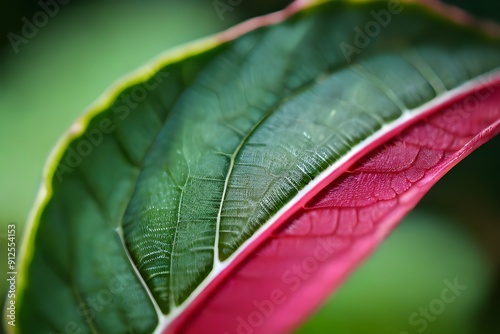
<point x="231" y="185"/>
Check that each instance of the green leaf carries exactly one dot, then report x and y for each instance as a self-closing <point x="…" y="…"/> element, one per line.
<point x="155" y="190"/>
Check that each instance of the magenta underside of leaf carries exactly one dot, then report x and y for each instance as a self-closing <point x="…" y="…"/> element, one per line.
<point x="284" y="274"/>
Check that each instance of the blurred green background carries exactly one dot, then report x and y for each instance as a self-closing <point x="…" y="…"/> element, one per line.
<point x="88" y="45"/>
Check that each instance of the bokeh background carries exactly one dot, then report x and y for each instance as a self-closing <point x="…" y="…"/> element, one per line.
<point x="48" y="82"/>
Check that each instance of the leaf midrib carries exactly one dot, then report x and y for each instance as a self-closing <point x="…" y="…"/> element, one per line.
<point x="330" y="70"/>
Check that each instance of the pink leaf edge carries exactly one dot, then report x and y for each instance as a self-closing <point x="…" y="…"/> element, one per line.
<point x="283" y="276"/>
